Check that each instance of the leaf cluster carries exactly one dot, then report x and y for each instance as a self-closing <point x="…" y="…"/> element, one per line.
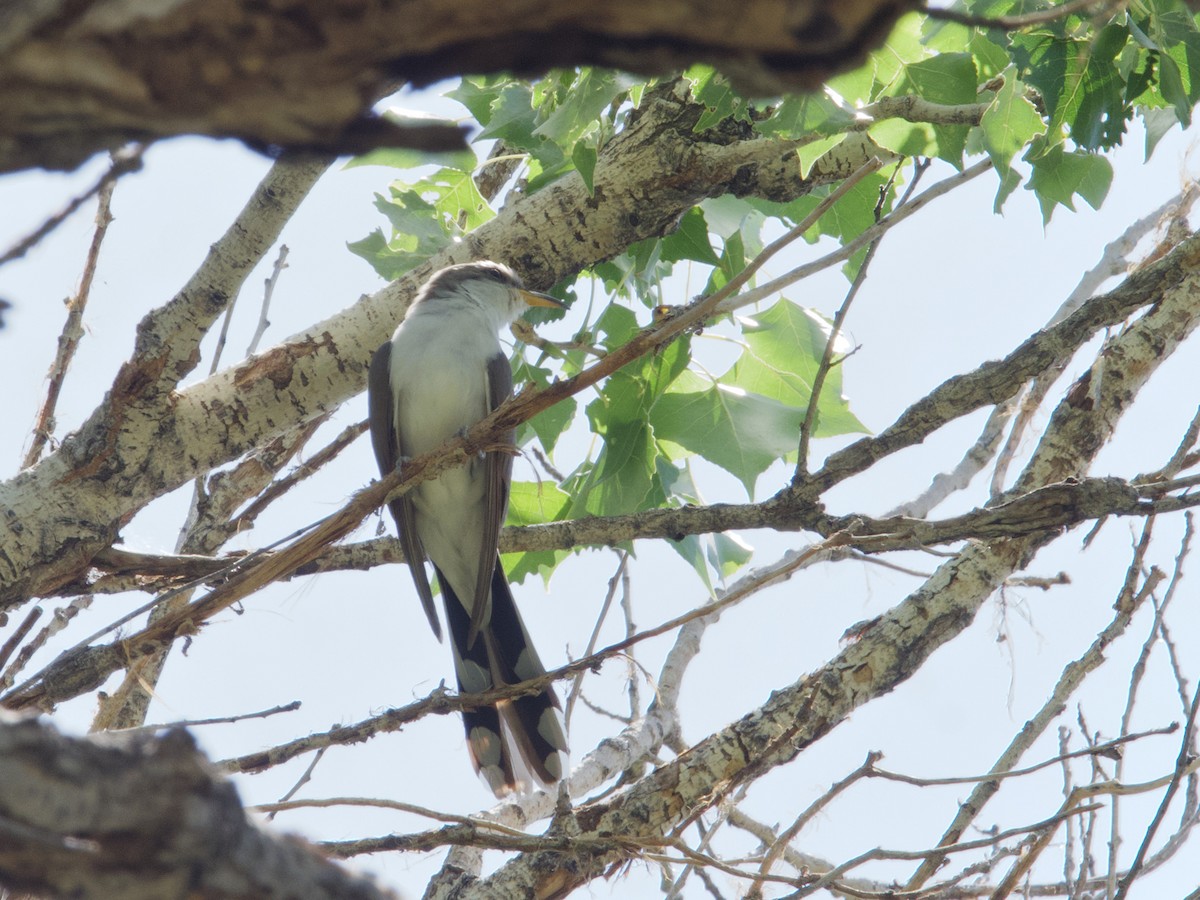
<point x="1043" y="103"/>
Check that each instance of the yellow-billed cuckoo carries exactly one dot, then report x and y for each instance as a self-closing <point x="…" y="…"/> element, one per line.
<point x="443" y="371"/>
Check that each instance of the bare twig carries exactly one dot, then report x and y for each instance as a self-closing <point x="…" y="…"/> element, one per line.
<point x="268" y="291"/>
<point x="1128" y="601"/>
<point x="831" y="877"/>
<point x="1015" y="23"/>
<point x="973" y="461"/>
<point x="304" y="779"/>
<point x="847" y="250"/>
<point x="1072" y="806"/>
<point x="1114" y="259"/>
<point x="1105" y="749"/>
<point x="839" y="319"/>
<point x="789" y="833"/>
<point x="577" y="686"/>
<point x="218" y="720"/>
<point x="441" y="702"/>
<point x="306" y="469"/>
<point x="124" y="162"/>
<point x="72" y="330"/>
<point x="14" y="640"/>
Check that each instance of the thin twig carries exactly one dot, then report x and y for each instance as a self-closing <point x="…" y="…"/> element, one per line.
<point x="1072" y="807"/>
<point x="380" y="803"/>
<point x="442" y="702"/>
<point x="839" y="319"/>
<point x="124" y="161"/>
<point x="306" y="469"/>
<point x="789" y="833"/>
<point x="72" y="330"/>
<point x="268" y="292"/>
<point x="1015" y="23"/>
<point x="217" y="720"/>
<point x="1184" y="764"/>
<point x="17" y="636"/>
<point x="895" y="217"/>
<point x="1105" y="749"/>
<point x="577" y="686"/>
<point x="304" y="779"/>
<point x="1114" y="259"/>
<point x="990" y="841"/>
<point x="1129" y="600"/>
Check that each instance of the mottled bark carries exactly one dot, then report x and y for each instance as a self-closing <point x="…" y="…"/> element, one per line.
<point x="78" y="78"/>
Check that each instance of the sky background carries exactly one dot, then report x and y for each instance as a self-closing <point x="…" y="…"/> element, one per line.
<point x="953" y="286"/>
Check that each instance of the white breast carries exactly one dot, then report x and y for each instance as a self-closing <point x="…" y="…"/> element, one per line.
<point x="439" y="383"/>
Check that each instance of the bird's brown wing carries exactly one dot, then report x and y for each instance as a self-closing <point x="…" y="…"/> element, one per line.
<point x="498" y="475"/>
<point x="388" y="445"/>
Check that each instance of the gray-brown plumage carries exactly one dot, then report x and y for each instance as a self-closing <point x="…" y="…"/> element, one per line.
<point x="443" y="371"/>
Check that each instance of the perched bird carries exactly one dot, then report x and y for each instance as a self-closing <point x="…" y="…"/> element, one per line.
<point x="443" y="371"/>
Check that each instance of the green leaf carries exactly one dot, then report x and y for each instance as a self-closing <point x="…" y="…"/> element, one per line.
<point x="618" y="324"/>
<point x="784" y="347"/>
<point x="800" y="116"/>
<point x="543" y="563"/>
<point x="1079" y="82"/>
<point x="1010" y="122"/>
<point x="691" y="548"/>
<point x="416" y="235"/>
<point x="719" y="98"/>
<point x="536" y="503"/>
<point x="727" y="552"/>
<point x="902" y="48"/>
<point x="1058" y="176"/>
<point x="809" y="153"/>
<point x="1010" y="180"/>
<point x="948" y="78"/>
<point x="855" y="87"/>
<point x="1175" y="33"/>
<point x="690" y="240"/>
<point x="511" y="117"/>
<point x="583" y="156"/>
<point x="623" y="480"/>
<point x="457" y="202"/>
<point x="550" y="424"/>
<point x="905" y="138"/>
<point x="479" y="94"/>
<point x="742" y="433"/>
<point x="1158" y="122"/>
<point x="582" y="104"/>
<point x="374" y="249"/>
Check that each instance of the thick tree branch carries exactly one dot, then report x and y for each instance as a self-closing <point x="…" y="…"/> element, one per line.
<point x="1171" y="281"/>
<point x="888" y="651"/>
<point x="142" y="817"/>
<point x="75" y="79"/>
<point x="547" y="236"/>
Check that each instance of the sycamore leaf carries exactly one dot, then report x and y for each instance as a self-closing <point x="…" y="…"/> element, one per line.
<point x="583" y="157"/>
<point x="1058" y="176"/>
<point x="742" y="433"/>
<point x="784" y="346"/>
<point x="1010" y="122"/>
<point x="690" y="240"/>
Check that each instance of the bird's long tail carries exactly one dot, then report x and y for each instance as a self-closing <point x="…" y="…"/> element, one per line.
<point x="517" y="738"/>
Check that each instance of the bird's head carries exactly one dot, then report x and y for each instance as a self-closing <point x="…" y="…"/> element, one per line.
<point x="493" y="287"/>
